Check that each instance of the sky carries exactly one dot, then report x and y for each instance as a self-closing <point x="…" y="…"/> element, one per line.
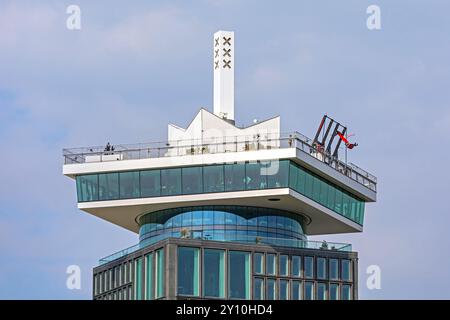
<point x="135" y="66"/>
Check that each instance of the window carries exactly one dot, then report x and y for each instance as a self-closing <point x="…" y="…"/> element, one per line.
<point x="309" y="267"/>
<point x="213" y="180"/>
<point x="277" y="172"/>
<point x="108" y="186"/>
<point x="129" y="184"/>
<point x="150" y="183"/>
<point x="258" y="289"/>
<point x="296" y="290"/>
<point x="334" y="269"/>
<point x="258" y="263"/>
<point x="271" y="289"/>
<point x="284" y="289"/>
<point x="321" y="291"/>
<point x="192" y="180"/>
<point x="284" y="263"/>
<point x="309" y="290"/>
<point x="213" y="273"/>
<point x="321" y="268"/>
<point x="296" y="266"/>
<point x="253" y="177"/>
<point x="346" y="270"/>
<point x="334" y="291"/>
<point x="138" y="279"/>
<point x="87" y="187"/>
<point x="159" y="273"/>
<point x="234" y="177"/>
<point x="271" y="264"/>
<point x="188" y="271"/>
<point x="149" y="291"/>
<point x="239" y="275"/>
<point x="346" y="292"/>
<point x="170" y="182"/>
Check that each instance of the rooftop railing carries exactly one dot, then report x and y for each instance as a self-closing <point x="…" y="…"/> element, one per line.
<point x="218" y="145"/>
<point x="280" y="242"/>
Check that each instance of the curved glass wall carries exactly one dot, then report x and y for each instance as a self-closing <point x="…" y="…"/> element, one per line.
<point x="221" y="223"/>
<point x="239" y="176"/>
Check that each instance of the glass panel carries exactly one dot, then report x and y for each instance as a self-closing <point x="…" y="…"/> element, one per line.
<point x="321" y="268"/>
<point x="316" y="189"/>
<point x="271" y="264"/>
<point x="234" y="177"/>
<point x="331" y="197"/>
<point x="321" y="291"/>
<point x="271" y="289"/>
<point x="149" y="290"/>
<point x="213" y="180"/>
<point x="188" y="271"/>
<point x="308" y="185"/>
<point x="159" y="273"/>
<point x="258" y="289"/>
<point x="309" y="267"/>
<point x="284" y="265"/>
<point x="239" y="275"/>
<point x="334" y="291"/>
<point x="296" y="266"/>
<point x="338" y="201"/>
<point x="213" y="273"/>
<point x="129" y="184"/>
<point x="284" y="290"/>
<point x="208" y="217"/>
<point x="87" y="187"/>
<point x="170" y="182"/>
<point x="346" y="270"/>
<point x="138" y="279"/>
<point x="192" y="180"/>
<point x="258" y="263"/>
<point x="150" y="183"/>
<point x="108" y="186"/>
<point x="296" y="290"/>
<point x="334" y="269"/>
<point x="253" y="176"/>
<point x="346" y="292"/>
<point x="277" y="173"/>
<point x="309" y="290"/>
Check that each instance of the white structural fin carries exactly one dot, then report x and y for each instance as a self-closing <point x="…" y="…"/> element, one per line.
<point x="223" y="54"/>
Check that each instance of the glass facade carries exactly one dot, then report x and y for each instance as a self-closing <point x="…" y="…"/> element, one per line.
<point x="222" y="223"/>
<point x="321" y="268"/>
<point x="296" y="270"/>
<point x="238" y="275"/>
<point x="346" y="270"/>
<point x="271" y="266"/>
<point x="258" y="263"/>
<point x="214" y="273"/>
<point x="160" y="272"/>
<point x="321" y="291"/>
<point x="284" y="265"/>
<point x="309" y="267"/>
<point x="334" y="269"/>
<point x="258" y="289"/>
<point x="309" y="290"/>
<point x="271" y="289"/>
<point x="296" y="290"/>
<point x="188" y="271"/>
<point x="222" y="274"/>
<point x="220" y="178"/>
<point x="334" y="291"/>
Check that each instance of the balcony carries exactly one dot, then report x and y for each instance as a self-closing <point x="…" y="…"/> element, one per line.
<point x="279" y="242"/>
<point x="213" y="146"/>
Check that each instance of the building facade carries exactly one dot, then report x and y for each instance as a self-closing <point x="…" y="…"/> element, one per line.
<point x="224" y="212"/>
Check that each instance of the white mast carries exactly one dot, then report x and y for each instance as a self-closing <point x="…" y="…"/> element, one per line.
<point x="224" y="74"/>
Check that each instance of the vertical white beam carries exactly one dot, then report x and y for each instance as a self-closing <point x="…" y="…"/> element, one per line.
<point x="224" y="74"/>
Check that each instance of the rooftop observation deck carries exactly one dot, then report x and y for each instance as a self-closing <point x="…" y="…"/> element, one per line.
<point x="213" y="146"/>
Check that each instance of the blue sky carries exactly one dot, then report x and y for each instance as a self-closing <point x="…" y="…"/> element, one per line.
<point x="136" y="66"/>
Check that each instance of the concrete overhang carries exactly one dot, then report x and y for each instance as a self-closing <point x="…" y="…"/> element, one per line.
<point x="320" y="220"/>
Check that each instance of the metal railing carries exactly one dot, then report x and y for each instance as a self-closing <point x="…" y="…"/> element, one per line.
<point x="280" y="242"/>
<point x="218" y="145"/>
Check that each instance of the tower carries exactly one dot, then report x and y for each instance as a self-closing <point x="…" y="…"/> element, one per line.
<point x="223" y="211"/>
